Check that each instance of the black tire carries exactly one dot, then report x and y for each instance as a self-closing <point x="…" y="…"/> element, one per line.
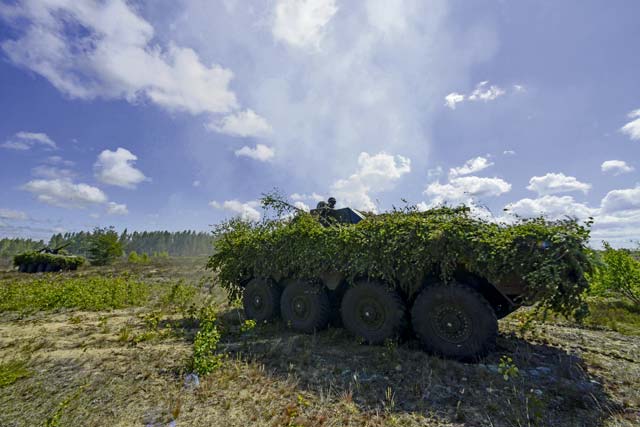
<point x="31" y="268"/>
<point x="454" y="321"/>
<point x="305" y="306"/>
<point x="373" y="312"/>
<point x="22" y="268"/>
<point x="261" y="300"/>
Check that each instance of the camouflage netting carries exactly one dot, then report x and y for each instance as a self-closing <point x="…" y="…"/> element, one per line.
<point x="402" y="247"/>
<point x="29" y="261"/>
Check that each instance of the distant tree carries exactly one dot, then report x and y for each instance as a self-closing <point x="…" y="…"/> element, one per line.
<point x="133" y="257"/>
<point x="104" y="246"/>
<point x="619" y="273"/>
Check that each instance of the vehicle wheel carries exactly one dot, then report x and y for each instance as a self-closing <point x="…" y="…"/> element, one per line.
<point x="22" y="268"/>
<point x="31" y="268"/>
<point x="261" y="300"/>
<point x="305" y="306"/>
<point x="372" y="311"/>
<point x="454" y="321"/>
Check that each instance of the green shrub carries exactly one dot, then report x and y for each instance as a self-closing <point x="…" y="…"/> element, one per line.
<point x="205" y="359"/>
<point x="11" y="371"/>
<point x="104" y="246"/>
<point x="403" y="247"/>
<point x="30" y="260"/>
<point x="617" y="274"/>
<point x="85" y="293"/>
<point x="133" y="257"/>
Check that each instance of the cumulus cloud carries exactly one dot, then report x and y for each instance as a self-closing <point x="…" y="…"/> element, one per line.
<point x="12" y="215"/>
<point x="464" y="189"/>
<point x="23" y="141"/>
<point x="313" y="196"/>
<point x="471" y="166"/>
<point x="116" y="168"/>
<point x="482" y="92"/>
<point x="552" y="207"/>
<point x="247" y="210"/>
<point x="117" y="209"/>
<point x="89" y="49"/>
<point x="375" y="173"/>
<point x="553" y="183"/>
<point x="261" y="152"/>
<point x="64" y="193"/>
<point x="616" y="167"/>
<point x="632" y="129"/>
<point x="301" y="23"/>
<point x="243" y="123"/>
<point x="621" y="200"/>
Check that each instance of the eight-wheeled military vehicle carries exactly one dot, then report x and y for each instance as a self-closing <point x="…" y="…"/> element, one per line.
<point x="357" y="272"/>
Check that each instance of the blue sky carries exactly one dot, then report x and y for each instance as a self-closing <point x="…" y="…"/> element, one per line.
<point x="176" y="114"/>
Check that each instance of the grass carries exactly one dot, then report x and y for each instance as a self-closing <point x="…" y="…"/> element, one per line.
<point x="614" y="314"/>
<point x="127" y="366"/>
<point x="12" y="371"/>
<point x="57" y="291"/>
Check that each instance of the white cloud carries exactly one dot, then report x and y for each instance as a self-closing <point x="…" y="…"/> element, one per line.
<point x="261" y="152"/>
<point x="552" y="207"/>
<point x="616" y="167"/>
<point x="471" y="166"/>
<point x="464" y="189"/>
<point x="633" y="127"/>
<point x="12" y="215"/>
<point x="375" y="173"/>
<point x="509" y="152"/>
<point x="484" y="93"/>
<point x="247" y="211"/>
<point x="52" y="172"/>
<point x="196" y="183"/>
<point x="313" y="196"/>
<point x="553" y="183"/>
<point x="26" y="140"/>
<point x="301" y="23"/>
<point x="243" y="123"/>
<point x="301" y="205"/>
<point x="452" y="99"/>
<point x="117" y="209"/>
<point x="116" y="168"/>
<point x="621" y="200"/>
<point x="65" y="193"/>
<point x="90" y="49"/>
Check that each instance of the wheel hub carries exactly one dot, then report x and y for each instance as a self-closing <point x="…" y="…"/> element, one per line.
<point x="300" y="306"/>
<point x="371" y="314"/>
<point x="452" y="324"/>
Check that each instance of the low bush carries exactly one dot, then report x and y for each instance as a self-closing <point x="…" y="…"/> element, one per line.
<point x="205" y="359"/>
<point x="617" y="274"/>
<point x="85" y="293"/>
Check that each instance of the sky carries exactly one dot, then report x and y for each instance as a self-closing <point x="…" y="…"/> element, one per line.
<point x="177" y="114"/>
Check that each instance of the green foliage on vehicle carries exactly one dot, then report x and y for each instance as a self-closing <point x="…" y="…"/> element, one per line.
<point x="618" y="274"/>
<point x="104" y="246"/>
<point x="55" y="261"/>
<point x="402" y="247"/>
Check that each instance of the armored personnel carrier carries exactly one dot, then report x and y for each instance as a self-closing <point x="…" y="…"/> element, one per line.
<point x="443" y="273"/>
<point x="47" y="260"/>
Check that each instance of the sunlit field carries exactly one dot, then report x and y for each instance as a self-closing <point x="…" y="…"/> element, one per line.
<point x="115" y="346"/>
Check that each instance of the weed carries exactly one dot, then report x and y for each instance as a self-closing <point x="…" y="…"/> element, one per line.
<point x="507" y="368"/>
<point x="206" y="342"/>
<point x="247" y="326"/>
<point x="54" y="419"/>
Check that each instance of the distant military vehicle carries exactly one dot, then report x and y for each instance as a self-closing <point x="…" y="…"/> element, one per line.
<point x="47" y="260"/>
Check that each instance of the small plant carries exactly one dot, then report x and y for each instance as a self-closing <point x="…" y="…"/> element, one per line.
<point x="247" y="326"/>
<point x="205" y="360"/>
<point x="133" y="257"/>
<point x="104" y="246"/>
<point x="507" y="368"/>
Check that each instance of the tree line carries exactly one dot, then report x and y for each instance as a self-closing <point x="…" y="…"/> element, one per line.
<point x="177" y="243"/>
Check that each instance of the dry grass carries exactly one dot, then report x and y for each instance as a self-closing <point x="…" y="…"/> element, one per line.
<point x="126" y="368"/>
